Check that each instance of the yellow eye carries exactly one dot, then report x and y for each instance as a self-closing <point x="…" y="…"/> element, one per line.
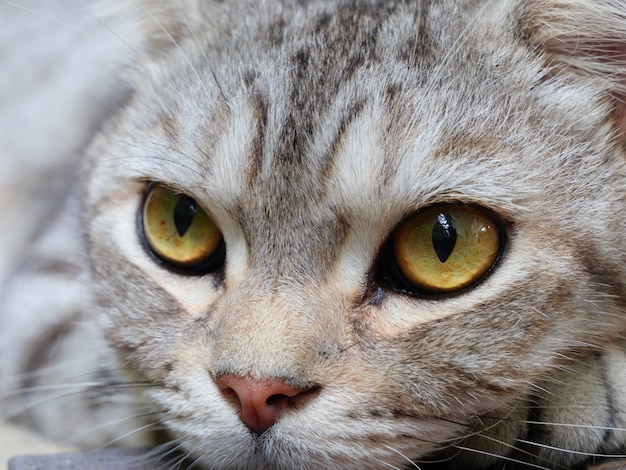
<point x="178" y="231"/>
<point x="446" y="248"/>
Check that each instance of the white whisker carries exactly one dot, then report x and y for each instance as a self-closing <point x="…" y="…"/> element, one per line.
<point x="573" y="452"/>
<point x="180" y="50"/>
<point x="48" y="17"/>
<point x="501" y="457"/>
<point x="405" y="457"/>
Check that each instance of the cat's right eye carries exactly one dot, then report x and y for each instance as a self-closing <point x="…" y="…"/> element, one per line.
<point x="179" y="233"/>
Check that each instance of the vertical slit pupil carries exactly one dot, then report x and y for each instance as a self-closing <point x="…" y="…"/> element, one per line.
<point x="184" y="212"/>
<point x="444" y="237"/>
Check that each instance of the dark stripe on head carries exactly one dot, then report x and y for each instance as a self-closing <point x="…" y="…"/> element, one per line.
<point x="258" y="104"/>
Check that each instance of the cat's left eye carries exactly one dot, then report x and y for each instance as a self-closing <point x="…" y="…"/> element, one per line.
<point x="179" y="232"/>
<point x="444" y="249"/>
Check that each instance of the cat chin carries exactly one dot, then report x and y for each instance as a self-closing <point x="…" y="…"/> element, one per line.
<point x="317" y="437"/>
<point x="303" y="451"/>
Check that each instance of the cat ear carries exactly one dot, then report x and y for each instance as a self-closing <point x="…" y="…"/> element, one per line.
<point x="586" y="39"/>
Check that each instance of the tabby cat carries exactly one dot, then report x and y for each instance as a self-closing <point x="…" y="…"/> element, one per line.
<point x="352" y="234"/>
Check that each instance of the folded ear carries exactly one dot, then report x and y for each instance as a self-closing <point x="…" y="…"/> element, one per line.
<point x="585" y="39"/>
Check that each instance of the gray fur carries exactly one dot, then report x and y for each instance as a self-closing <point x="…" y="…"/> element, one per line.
<point x="309" y="131"/>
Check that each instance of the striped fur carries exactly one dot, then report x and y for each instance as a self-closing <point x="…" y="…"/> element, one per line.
<point x="309" y="130"/>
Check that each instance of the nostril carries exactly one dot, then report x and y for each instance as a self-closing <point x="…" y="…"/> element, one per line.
<point x="261" y="402"/>
<point x="275" y="398"/>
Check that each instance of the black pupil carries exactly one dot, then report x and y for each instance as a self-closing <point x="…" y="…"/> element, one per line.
<point x="444" y="237"/>
<point x="184" y="212"/>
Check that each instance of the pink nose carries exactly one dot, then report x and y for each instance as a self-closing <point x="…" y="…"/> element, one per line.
<point x="261" y="401"/>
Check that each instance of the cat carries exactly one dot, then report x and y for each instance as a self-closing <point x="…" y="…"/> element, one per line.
<point x="350" y="234"/>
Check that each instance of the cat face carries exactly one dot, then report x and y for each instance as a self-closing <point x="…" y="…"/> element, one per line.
<point x="349" y="234"/>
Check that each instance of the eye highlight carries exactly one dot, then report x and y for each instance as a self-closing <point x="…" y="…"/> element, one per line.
<point x="179" y="232"/>
<point x="446" y="248"/>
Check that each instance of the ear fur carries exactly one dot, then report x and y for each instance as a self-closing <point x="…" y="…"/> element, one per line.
<point x="585" y="39"/>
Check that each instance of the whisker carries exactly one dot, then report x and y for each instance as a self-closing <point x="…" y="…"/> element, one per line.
<point x="41" y="374"/>
<point x="512" y="447"/>
<point x="166" y="450"/>
<point x="188" y="453"/>
<point x="51" y="387"/>
<point x="151" y="425"/>
<point x="587" y="426"/>
<point x="50" y="398"/>
<point x="182" y="52"/>
<point x="573" y="452"/>
<point x="138" y="55"/>
<point x="501" y="457"/>
<point x="388" y="465"/>
<point x="143" y="158"/>
<point x="569" y="425"/>
<point x="51" y="18"/>
<point x="207" y="62"/>
<point x="411" y="462"/>
<point x="442" y="66"/>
